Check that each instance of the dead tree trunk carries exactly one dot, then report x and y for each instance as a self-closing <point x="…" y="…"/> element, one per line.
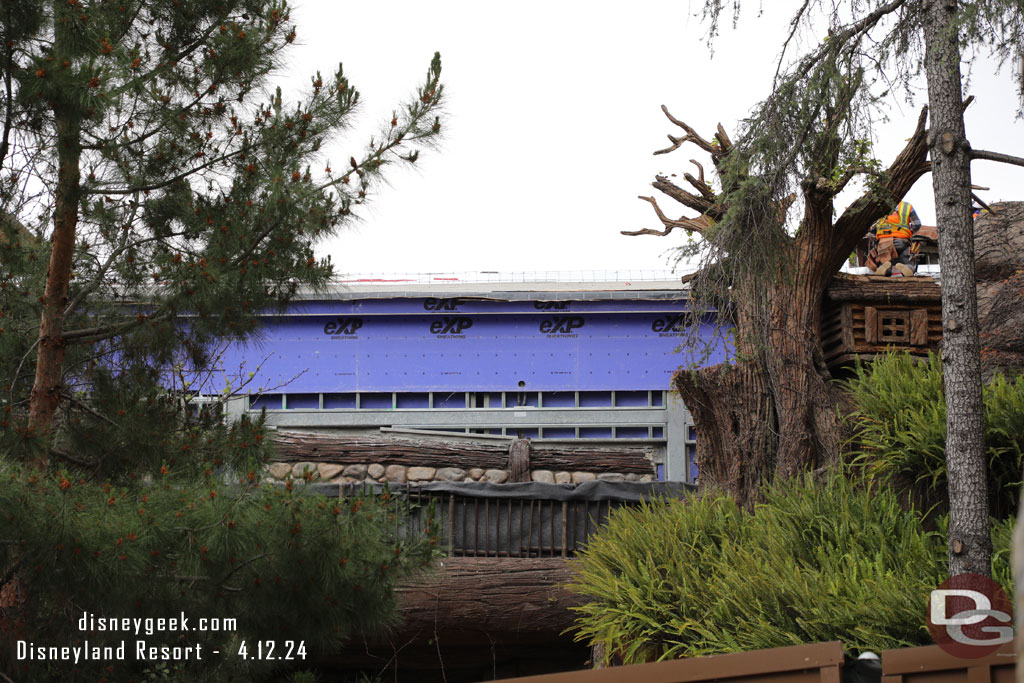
<point x="728" y="463"/>
<point x="772" y="411"/>
<point x="499" y="596"/>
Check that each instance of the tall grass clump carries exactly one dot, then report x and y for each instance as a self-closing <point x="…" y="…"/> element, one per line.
<point x="838" y="558"/>
<point x="900" y="430"/>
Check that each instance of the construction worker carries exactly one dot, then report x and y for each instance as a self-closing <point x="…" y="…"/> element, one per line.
<point x="891" y="240"/>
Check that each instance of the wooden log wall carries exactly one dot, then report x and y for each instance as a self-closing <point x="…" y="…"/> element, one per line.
<point x="864" y="316"/>
<point x="343" y="449"/>
<point x="873" y="289"/>
<point x="519" y="596"/>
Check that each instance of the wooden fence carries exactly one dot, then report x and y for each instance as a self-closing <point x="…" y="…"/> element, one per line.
<point x="818" y="663"/>
<point x="484" y="526"/>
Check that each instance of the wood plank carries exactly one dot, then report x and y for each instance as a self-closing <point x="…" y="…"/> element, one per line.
<point x="870" y="325"/>
<point x="883" y="289"/>
<point x="919" y="327"/>
<point x="847" y="327"/>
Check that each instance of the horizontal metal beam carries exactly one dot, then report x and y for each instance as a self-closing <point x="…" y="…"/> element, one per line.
<point x="469" y="417"/>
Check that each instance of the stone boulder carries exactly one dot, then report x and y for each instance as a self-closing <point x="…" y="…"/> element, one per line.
<point x="329" y="471"/>
<point x="421" y="473"/>
<point x="395" y="474"/>
<point x="280" y="470"/>
<point x="450" y="474"/>
<point x="543" y="476"/>
<point x="356" y="472"/>
<point x="496" y="476"/>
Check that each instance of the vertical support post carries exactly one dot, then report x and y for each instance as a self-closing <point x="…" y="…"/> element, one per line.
<point x="508" y="530"/>
<point x="565" y="528"/>
<point x="677" y="464"/>
<point x="451" y="525"/>
<point x="519" y="460"/>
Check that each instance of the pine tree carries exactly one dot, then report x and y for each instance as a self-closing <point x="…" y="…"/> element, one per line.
<point x="155" y="197"/>
<point x="138" y="139"/>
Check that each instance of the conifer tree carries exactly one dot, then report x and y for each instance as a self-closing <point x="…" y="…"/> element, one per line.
<point x="155" y="197"/>
<point x="140" y="142"/>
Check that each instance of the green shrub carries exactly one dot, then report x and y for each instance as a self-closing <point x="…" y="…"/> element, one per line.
<point x="285" y="562"/>
<point x="839" y="559"/>
<point x="900" y="429"/>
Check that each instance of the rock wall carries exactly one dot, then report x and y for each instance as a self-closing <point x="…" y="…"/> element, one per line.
<point x="338" y="456"/>
<point x="412" y="474"/>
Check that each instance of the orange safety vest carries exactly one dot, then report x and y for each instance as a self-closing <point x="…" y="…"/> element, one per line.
<point x="896" y="224"/>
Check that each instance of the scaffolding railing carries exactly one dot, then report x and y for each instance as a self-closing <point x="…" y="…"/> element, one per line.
<point x="494" y="276"/>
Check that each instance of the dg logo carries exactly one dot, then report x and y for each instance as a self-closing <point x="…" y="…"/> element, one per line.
<point x="970" y="616"/>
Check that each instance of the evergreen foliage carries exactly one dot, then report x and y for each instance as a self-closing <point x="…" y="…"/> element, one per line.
<point x="285" y="564"/>
<point x="838" y="559"/>
<point x="197" y="195"/>
<point x="900" y="430"/>
<point x="141" y="135"/>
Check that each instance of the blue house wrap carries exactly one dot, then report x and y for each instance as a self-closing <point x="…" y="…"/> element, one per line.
<point x="541" y="360"/>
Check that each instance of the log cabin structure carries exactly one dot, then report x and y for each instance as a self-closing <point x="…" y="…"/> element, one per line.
<point x="865" y="315"/>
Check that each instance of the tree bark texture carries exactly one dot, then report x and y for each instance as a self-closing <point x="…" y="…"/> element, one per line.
<point x="970" y="546"/>
<point x="497" y="596"/>
<point x="50" y="351"/>
<point x="731" y="405"/>
<point x="333" y="447"/>
<point x="999" y="267"/>
<point x="476" y="619"/>
<point x="773" y="411"/>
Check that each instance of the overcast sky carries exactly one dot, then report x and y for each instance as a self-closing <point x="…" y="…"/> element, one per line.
<point x="553" y="116"/>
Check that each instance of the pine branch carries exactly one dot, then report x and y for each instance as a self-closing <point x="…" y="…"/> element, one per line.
<point x="167" y="181"/>
<point x="854" y="30"/>
<point x="89" y="409"/>
<point x="101" y="332"/>
<point x="73" y="459"/>
<point x="102" y="271"/>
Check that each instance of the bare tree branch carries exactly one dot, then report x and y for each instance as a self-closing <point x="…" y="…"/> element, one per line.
<point x="700" y="169"/>
<point x="706" y="190"/>
<point x="983" y="204"/>
<point x="691" y="136"/>
<point x="698" y="224"/>
<point x="700" y="204"/>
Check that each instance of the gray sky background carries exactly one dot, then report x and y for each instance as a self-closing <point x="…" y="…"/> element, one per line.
<point x="553" y="116"/>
